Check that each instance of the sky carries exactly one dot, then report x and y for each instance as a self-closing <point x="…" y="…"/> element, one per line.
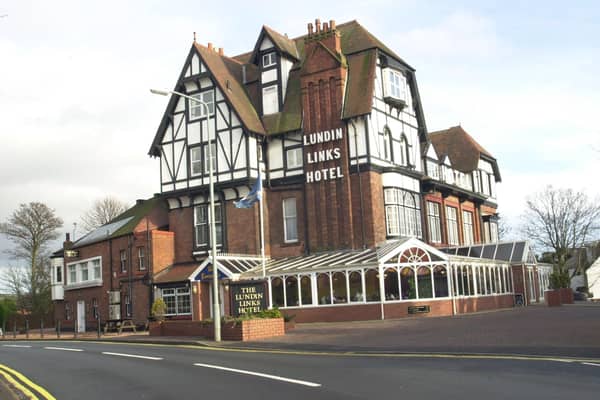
<point x="77" y="117"/>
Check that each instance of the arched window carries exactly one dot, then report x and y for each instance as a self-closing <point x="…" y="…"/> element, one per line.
<point x="372" y="285"/>
<point x="387" y="144"/>
<point x="305" y="290"/>
<point x="340" y="294"/>
<point x="323" y="289"/>
<point x="291" y="291"/>
<point x="391" y="284"/>
<point x="407" y="282"/>
<point x="440" y="279"/>
<point x="277" y="292"/>
<point x="403" y="158"/>
<point x="356" y="291"/>
<point x="425" y="284"/>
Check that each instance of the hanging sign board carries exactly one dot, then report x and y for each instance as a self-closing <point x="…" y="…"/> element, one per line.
<point x="206" y="275"/>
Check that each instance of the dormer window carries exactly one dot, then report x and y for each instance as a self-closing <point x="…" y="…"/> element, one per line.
<point x="395" y="88"/>
<point x="197" y="110"/>
<point x="269" y="59"/>
<point x="396" y="84"/>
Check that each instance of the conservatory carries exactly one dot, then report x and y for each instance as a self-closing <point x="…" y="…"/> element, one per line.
<point x="399" y="278"/>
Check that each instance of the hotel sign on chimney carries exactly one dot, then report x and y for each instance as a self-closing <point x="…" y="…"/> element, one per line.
<point x="313" y="156"/>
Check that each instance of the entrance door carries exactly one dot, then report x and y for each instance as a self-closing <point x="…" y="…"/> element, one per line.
<point x="81" y="316"/>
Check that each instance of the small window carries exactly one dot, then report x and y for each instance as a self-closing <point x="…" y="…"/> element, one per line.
<point x="468" y="227"/>
<point x="387" y="145"/>
<point x="97" y="269"/>
<point x="293" y="158"/>
<point x="433" y="217"/>
<point x="290" y="221"/>
<point x="213" y="153"/>
<point x="197" y="110"/>
<point x="141" y="258"/>
<point x="59" y="274"/>
<point x="84" y="272"/>
<point x="196" y="160"/>
<point x="452" y="225"/>
<point x="72" y="274"/>
<point x="270" y="100"/>
<point x="201" y="225"/>
<point x="269" y="60"/>
<point x="123" y="258"/>
<point x="396" y="85"/>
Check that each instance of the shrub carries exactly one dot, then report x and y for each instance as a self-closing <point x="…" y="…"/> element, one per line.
<point x="559" y="279"/>
<point x="159" y="309"/>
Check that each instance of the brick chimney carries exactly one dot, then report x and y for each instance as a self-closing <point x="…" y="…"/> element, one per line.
<point x="326" y="34"/>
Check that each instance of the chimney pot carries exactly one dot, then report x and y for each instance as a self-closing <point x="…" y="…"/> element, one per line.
<point x="68" y="237"/>
<point x="310" y="29"/>
<point x="325" y="27"/>
<point x="332" y="24"/>
<point x="221" y="51"/>
<point x="318" y="25"/>
<point x="210" y="46"/>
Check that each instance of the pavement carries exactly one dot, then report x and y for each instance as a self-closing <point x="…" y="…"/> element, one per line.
<point x="569" y="331"/>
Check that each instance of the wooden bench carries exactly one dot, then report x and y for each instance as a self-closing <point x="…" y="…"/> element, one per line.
<point x="118" y="325"/>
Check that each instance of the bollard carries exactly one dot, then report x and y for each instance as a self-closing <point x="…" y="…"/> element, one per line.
<point x="98" y="323"/>
<point x="58" y="329"/>
<point x="75" y="330"/>
<point x="26" y="329"/>
<point x="42" y="328"/>
<point x="15" y="330"/>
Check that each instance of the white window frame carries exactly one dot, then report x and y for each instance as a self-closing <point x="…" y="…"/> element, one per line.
<point x="468" y="228"/>
<point x="435" y="222"/>
<point x="292" y="215"/>
<point x="176" y="293"/>
<point x="141" y="258"/>
<point x="205" y="157"/>
<point x="395" y="84"/>
<point x="270" y="106"/>
<point x="452" y="225"/>
<point x="75" y="269"/>
<point x="205" y="224"/>
<point x="196" y="161"/>
<point x="197" y="110"/>
<point x="293" y="158"/>
<point x="123" y="260"/>
<point x="269" y="59"/>
<point x="402" y="212"/>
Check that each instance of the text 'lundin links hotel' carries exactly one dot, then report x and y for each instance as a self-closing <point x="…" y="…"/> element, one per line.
<point x="367" y="214"/>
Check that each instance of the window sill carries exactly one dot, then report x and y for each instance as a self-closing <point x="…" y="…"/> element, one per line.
<point x="82" y="285"/>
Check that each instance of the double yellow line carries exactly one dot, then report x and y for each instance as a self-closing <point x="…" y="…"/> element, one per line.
<point x="24" y="385"/>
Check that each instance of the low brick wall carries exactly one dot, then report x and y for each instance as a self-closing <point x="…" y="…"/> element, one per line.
<point x="365" y="312"/>
<point x="251" y="329"/>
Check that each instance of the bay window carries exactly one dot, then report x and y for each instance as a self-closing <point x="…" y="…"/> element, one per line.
<point x="402" y="213"/>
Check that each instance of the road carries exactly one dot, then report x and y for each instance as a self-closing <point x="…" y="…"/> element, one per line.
<point x="88" y="370"/>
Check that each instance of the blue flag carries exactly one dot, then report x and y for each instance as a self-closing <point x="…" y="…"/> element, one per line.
<point x="252" y="197"/>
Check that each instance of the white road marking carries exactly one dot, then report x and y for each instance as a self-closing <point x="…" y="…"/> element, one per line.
<point x="275" y="377"/>
<point x="16" y="345"/>
<point x="132" y="356"/>
<point x="62" y="349"/>
<point x="592" y="364"/>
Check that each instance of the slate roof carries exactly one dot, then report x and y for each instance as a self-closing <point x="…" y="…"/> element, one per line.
<point x="462" y="150"/>
<point x="121" y="225"/>
<point x="359" y="52"/>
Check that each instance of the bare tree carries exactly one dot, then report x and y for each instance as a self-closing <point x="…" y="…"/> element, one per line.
<point x="561" y="220"/>
<point x="31" y="228"/>
<point x="102" y="212"/>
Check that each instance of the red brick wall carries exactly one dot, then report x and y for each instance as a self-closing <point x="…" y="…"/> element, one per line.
<point x="275" y="223"/>
<point x="163" y="250"/>
<point x="242" y="331"/>
<point x="181" y="223"/>
<point x="362" y="312"/>
<point x="243" y="229"/>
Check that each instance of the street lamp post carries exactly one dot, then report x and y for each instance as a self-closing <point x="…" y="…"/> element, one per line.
<point x="213" y="233"/>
